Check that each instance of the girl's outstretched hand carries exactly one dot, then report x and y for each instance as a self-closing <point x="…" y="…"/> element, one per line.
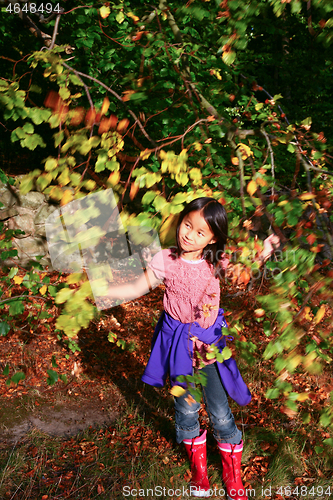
<point x="270" y="244"/>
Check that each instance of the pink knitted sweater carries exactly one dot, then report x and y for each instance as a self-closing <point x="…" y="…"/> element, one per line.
<point x="192" y="293"/>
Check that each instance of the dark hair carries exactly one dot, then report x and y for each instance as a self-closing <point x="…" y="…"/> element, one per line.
<point x="216" y="217"/>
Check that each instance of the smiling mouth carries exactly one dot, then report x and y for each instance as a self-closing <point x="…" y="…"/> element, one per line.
<point x="186" y="243"/>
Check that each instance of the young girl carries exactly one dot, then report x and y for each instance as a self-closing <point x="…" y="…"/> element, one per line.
<point x="191" y="321"/>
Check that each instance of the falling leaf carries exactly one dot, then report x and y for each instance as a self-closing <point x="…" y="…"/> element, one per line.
<point x="311" y="238"/>
<point x="190" y="400"/>
<point x="251" y="188"/>
<point x="67" y="197"/>
<point x="123" y="124"/>
<point x="320" y="314"/>
<point x="134" y="190"/>
<point x="245" y="277"/>
<point x="259" y="313"/>
<point x="133" y="16"/>
<point x="177" y="391"/>
<point x="145" y="154"/>
<point x="307" y="196"/>
<point x="288" y="411"/>
<point x="114" y="178"/>
<point x="18" y="280"/>
<point x="105" y="106"/>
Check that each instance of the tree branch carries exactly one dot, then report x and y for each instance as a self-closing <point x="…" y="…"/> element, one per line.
<point x="117" y="96"/>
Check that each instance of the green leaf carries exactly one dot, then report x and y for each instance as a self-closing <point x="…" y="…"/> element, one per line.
<point x="120" y="17"/>
<point x="17" y="377"/>
<point x="52" y="377"/>
<point x="4" y="329"/>
<point x="64" y="93"/>
<point x="6" y="371"/>
<point x="229" y="57"/>
<point x="16" y="307"/>
<point x="63" y="295"/>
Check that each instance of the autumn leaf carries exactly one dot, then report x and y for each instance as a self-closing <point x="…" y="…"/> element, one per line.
<point x="244" y="277"/>
<point x="133" y="16"/>
<point x="43" y="289"/>
<point x="288" y="411"/>
<point x="311" y="238"/>
<point x="114" y="178"/>
<point x="177" y="391"/>
<point x="123" y="124"/>
<point x="320" y="314"/>
<point x="307" y="196"/>
<point x="145" y="154"/>
<point x="18" y="280"/>
<point x="90" y="117"/>
<point x="134" y="190"/>
<point x="251" y="188"/>
<point x="190" y="400"/>
<point x="67" y="197"/>
<point x="104" y="12"/>
<point x="105" y="106"/>
<point x="77" y="116"/>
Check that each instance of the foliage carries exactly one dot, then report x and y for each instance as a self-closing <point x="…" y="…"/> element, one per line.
<point x="168" y="103"/>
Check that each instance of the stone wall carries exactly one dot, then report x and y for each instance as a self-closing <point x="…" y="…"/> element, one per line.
<point x="26" y="212"/>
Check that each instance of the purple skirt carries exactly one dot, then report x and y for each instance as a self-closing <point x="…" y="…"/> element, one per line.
<point x="172" y="353"/>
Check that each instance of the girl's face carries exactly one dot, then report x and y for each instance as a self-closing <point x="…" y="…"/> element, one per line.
<point x="194" y="235"/>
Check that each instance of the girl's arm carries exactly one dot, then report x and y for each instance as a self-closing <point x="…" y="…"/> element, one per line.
<point x="270" y="244"/>
<point x="136" y="289"/>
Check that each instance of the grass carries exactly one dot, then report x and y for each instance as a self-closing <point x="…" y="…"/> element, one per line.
<point x="132" y="459"/>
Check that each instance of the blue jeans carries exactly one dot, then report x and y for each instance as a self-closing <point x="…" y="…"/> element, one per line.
<point x="217" y="406"/>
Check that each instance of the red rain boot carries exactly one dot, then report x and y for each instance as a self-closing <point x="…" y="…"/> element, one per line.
<point x="196" y="451"/>
<point x="231" y="455"/>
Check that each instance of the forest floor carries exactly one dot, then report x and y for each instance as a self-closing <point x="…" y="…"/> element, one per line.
<point x="102" y="433"/>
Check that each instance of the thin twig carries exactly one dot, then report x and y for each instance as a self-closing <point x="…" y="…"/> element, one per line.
<point x="55" y="32"/>
<point x="264" y="133"/>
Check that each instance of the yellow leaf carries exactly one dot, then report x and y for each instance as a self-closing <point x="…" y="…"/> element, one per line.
<point x="320" y="314"/>
<point x="197" y="146"/>
<point x="163" y="155"/>
<point x="261" y="181"/>
<point x="177" y="391"/>
<point x="145" y="154"/>
<point x="43" y="290"/>
<point x="114" y="178"/>
<point x="259" y="313"/>
<point x="246" y="151"/>
<point x="104" y="12"/>
<point x="167" y="232"/>
<point x="67" y="197"/>
<point x="302" y="396"/>
<point x="105" y="106"/>
<point x="251" y="188"/>
<point x="18" y="280"/>
<point x="133" y="16"/>
<point x="234" y="160"/>
<point x="307" y="196"/>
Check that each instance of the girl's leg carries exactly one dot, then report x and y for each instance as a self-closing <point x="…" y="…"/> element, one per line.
<point x="228" y="436"/>
<point x="187" y="418"/>
<point x="216" y="400"/>
<point x="188" y="431"/>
